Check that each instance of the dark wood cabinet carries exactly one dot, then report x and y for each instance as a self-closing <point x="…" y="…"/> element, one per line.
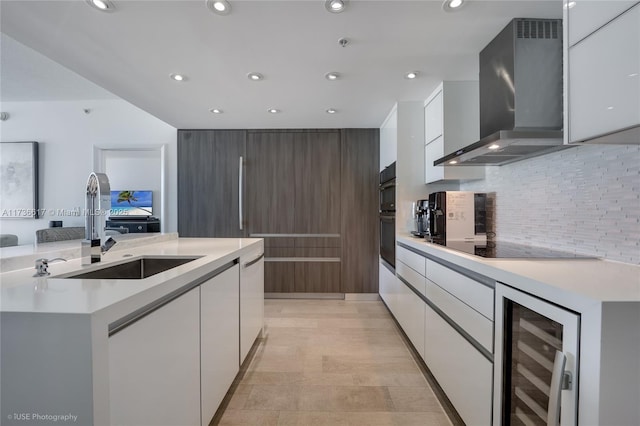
<point x="360" y="202"/>
<point x="270" y="182"/>
<point x="317" y="182"/>
<point x="279" y="276"/>
<point x="310" y="193"/>
<point x="208" y="182"/>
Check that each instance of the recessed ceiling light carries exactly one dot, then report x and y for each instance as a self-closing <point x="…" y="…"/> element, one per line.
<point x="335" y="6"/>
<point x="273" y="110"/>
<point x="609" y="108"/>
<point x="633" y="74"/>
<point x="255" y="76"/>
<point x="216" y="111"/>
<point x="452" y="5"/>
<point x="332" y="76"/>
<point x="102" y="5"/>
<point x="569" y="4"/>
<point x="411" y="75"/>
<point x="453" y="162"/>
<point x="331" y="111"/>
<point x="219" y="7"/>
<point x="494" y="146"/>
<point x="178" y="77"/>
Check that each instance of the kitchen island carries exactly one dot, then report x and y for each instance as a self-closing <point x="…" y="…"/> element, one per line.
<point x="452" y="306"/>
<point x="86" y="351"/>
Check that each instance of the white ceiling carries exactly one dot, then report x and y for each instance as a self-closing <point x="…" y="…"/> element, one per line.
<point x="27" y="75"/>
<point x="132" y="51"/>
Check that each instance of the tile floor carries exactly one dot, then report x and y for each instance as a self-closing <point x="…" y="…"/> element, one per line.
<point x="332" y="362"/>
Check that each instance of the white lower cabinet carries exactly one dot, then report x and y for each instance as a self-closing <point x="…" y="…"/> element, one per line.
<point x="150" y="379"/>
<point x="219" y="349"/>
<point x="463" y="373"/>
<point x="251" y="300"/>
<point x="458" y="356"/>
<point x="173" y="364"/>
<point x="411" y="316"/>
<point x="387" y="286"/>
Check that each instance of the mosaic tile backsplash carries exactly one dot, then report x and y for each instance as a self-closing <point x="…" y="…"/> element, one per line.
<point x="584" y="199"/>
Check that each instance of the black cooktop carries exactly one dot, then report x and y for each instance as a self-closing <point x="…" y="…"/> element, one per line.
<point x="507" y="250"/>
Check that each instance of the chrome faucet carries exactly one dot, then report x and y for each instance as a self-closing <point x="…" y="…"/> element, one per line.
<point x="97" y="205"/>
<point x="42" y="266"/>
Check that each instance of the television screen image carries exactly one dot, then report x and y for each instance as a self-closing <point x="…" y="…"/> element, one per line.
<point x="131" y="203"/>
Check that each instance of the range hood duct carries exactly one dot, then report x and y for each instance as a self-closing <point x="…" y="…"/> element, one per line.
<point x="520" y="95"/>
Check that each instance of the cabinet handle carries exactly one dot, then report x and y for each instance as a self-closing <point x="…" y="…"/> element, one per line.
<point x="240" y="194"/>
<point x="553" y="412"/>
<point x="254" y="261"/>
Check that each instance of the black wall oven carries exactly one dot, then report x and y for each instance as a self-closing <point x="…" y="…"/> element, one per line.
<point x="388" y="215"/>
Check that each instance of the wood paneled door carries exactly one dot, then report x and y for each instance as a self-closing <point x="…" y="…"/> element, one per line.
<point x="270" y="182"/>
<point x="209" y="178"/>
<point x="317" y="182"/>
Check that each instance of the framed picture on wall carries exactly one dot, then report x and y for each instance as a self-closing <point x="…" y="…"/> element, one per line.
<point x="19" y="180"/>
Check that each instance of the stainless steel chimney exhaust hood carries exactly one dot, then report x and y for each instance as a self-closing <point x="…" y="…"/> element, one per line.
<point x="520" y="95"/>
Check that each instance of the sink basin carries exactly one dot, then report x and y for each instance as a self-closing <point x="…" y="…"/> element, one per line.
<point x="136" y="269"/>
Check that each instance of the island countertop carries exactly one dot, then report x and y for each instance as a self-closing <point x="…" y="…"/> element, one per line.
<point x="21" y="292"/>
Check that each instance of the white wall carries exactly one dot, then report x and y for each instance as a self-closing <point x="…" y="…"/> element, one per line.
<point x="584" y="199"/>
<point x="66" y="136"/>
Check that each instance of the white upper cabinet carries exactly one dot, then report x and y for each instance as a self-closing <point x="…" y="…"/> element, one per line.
<point x="389" y="139"/>
<point x="452" y="121"/>
<point x="586" y="16"/>
<point x="433" y="117"/>
<point x="604" y="81"/>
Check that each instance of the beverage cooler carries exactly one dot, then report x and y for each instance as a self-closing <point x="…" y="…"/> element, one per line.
<point x="536" y="361"/>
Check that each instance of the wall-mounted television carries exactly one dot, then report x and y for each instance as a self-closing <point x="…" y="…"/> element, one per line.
<point x="131" y="203"/>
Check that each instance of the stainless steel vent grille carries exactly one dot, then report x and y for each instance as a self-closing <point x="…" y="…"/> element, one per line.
<point x="537" y="28"/>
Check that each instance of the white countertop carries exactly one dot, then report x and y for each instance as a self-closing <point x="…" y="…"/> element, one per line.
<point x="573" y="283"/>
<point x="21" y="292"/>
<point x="21" y="257"/>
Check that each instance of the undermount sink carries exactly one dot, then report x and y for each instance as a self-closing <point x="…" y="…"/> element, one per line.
<point x="136" y="269"/>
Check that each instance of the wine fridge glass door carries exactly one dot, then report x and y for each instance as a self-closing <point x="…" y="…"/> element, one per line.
<point x="535" y="372"/>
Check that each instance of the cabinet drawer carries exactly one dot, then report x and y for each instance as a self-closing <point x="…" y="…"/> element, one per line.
<point x="462" y="372"/>
<point x="472" y="293"/>
<point x="318" y="252"/>
<point x="411" y="276"/>
<point x="411" y="316"/>
<point x="411" y="259"/>
<point x="317" y="277"/>
<point x="277" y="242"/>
<point x="386" y="286"/>
<point x="478" y="327"/>
<point x="318" y="241"/>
